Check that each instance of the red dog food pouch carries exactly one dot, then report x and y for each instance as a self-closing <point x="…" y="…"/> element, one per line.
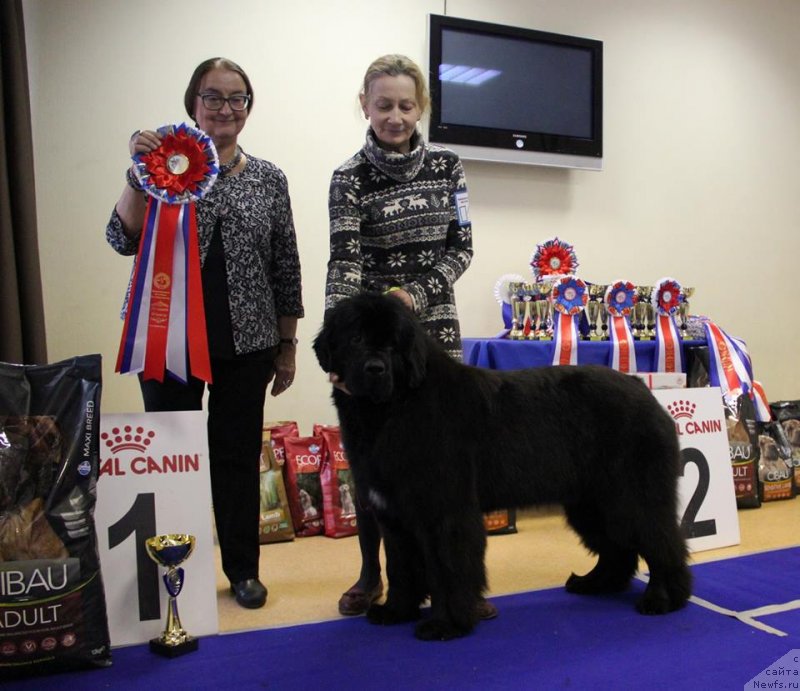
<point x="338" y="490"/>
<point x="302" y="468"/>
<point x="278" y="431"/>
<point x="275" y="518"/>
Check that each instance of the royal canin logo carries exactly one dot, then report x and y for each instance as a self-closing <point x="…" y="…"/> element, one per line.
<point x="127" y="437"/>
<point x="681" y="409"/>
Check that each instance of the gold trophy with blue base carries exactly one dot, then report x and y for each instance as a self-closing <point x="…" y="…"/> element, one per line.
<point x="170" y="551"/>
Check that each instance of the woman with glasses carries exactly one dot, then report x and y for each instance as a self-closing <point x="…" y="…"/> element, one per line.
<point x="252" y="296"/>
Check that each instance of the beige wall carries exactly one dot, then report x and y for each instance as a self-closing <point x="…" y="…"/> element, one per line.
<point x="702" y="146"/>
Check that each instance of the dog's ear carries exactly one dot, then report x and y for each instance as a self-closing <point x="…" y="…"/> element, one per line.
<point x="415" y="352"/>
<point x="321" y="347"/>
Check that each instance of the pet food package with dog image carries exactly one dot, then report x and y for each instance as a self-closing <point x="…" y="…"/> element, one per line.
<point x="303" y="465"/>
<point x="501" y="522"/>
<point x="338" y="490"/>
<point x="775" y="470"/>
<point x="52" y="602"/>
<point x="275" y="518"/>
<point x="278" y="431"/>
<point x="788" y="414"/>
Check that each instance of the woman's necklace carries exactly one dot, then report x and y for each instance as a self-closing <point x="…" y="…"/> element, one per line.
<point x="226" y="168"/>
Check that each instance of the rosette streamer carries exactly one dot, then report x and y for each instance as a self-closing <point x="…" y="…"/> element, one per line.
<point x="553" y="257"/>
<point x="665" y="299"/>
<point x="731" y="369"/>
<point x="569" y="299"/>
<point x="619" y="300"/>
<point x="165" y="328"/>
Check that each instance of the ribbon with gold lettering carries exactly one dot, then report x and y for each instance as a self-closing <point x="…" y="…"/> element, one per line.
<point x="665" y="300"/>
<point x="165" y="329"/>
<point x="731" y="369"/>
<point x="619" y="300"/>
<point x="569" y="298"/>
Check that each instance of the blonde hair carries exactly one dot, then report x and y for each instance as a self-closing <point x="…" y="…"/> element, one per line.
<point x="394" y="65"/>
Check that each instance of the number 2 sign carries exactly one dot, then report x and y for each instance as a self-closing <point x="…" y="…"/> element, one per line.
<point x="153" y="480"/>
<point x="707" y="501"/>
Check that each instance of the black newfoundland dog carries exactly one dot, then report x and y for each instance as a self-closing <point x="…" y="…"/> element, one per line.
<point x="434" y="443"/>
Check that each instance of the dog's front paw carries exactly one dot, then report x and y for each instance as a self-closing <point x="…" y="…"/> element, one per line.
<point x="386" y="614"/>
<point x="439" y="630"/>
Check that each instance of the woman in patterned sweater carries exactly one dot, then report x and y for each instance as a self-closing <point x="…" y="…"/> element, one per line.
<point x="399" y="224"/>
<point x="252" y="296"/>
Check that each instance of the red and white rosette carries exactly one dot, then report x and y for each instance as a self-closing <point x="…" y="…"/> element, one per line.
<point x="619" y="300"/>
<point x="569" y="298"/>
<point x="165" y="327"/>
<point x="665" y="300"/>
<point x="553" y="258"/>
<point x="731" y="369"/>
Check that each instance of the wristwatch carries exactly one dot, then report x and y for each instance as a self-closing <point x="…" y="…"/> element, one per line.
<point x="289" y="341"/>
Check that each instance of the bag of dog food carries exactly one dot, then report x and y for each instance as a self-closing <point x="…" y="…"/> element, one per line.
<point x="775" y="463"/>
<point x="278" y="431"/>
<point x="788" y="414"/>
<point x="744" y="452"/>
<point x="275" y="519"/>
<point x="303" y="465"/>
<point x="338" y="489"/>
<point x="52" y="603"/>
<point x="502" y="522"/>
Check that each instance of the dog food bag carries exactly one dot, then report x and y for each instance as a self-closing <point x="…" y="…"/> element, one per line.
<point x="788" y="414"/>
<point x="775" y="463"/>
<point x="502" y="522"/>
<point x="275" y="519"/>
<point x="278" y="431"/>
<point x="52" y="603"/>
<point x="743" y="446"/>
<point x="338" y="489"/>
<point x="303" y="465"/>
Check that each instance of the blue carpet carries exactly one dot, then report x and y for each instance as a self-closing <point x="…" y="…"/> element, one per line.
<point x="544" y="639"/>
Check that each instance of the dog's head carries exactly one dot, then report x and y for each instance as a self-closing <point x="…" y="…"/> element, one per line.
<point x="374" y="344"/>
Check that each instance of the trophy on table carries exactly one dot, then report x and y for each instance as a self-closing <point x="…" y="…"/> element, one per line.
<point x="643" y="321"/>
<point x="683" y="310"/>
<point x="544" y="311"/>
<point x="594" y="308"/>
<point x="519" y="308"/>
<point x="170" y="551"/>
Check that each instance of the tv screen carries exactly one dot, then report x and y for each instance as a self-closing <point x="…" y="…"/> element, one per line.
<point x="510" y="94"/>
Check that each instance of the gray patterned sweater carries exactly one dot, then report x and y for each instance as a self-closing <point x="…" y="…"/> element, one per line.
<point x="402" y="220"/>
<point x="261" y="259"/>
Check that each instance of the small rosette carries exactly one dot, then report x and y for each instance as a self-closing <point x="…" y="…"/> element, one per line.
<point x="180" y="171"/>
<point x="666" y="296"/>
<point x="569" y="295"/>
<point x="553" y="257"/>
<point x="620" y="298"/>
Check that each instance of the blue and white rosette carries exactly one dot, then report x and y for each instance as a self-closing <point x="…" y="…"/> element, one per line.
<point x="665" y="300"/>
<point x="569" y="296"/>
<point x="619" y="301"/>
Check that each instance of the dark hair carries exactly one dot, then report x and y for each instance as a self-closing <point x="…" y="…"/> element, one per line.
<point x="204" y="68"/>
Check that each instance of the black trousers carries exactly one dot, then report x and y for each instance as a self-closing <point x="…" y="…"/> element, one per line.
<point x="235" y="422"/>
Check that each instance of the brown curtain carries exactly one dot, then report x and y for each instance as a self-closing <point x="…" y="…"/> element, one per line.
<point x="22" y="330"/>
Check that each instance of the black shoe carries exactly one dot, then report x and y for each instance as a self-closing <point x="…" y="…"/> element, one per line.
<point x="250" y="593"/>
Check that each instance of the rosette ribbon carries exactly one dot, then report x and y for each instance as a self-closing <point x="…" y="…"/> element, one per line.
<point x="569" y="298"/>
<point x="731" y="369"/>
<point x="619" y="300"/>
<point x="553" y="257"/>
<point x="665" y="300"/>
<point x="165" y="327"/>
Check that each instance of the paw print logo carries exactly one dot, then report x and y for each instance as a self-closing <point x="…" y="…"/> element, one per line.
<point x="127" y="437"/>
<point x="681" y="409"/>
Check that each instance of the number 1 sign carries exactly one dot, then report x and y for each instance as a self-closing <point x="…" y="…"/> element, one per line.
<point x="707" y="501"/>
<point x="154" y="480"/>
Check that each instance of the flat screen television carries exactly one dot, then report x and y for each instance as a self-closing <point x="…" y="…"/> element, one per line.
<point x="503" y="93"/>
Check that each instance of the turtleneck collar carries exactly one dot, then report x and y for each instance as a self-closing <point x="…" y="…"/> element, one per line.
<point x="400" y="167"/>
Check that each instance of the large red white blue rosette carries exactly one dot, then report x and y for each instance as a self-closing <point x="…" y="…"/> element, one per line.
<point x="569" y="296"/>
<point x="165" y="328"/>
<point x="619" y="300"/>
<point x="552" y="258"/>
<point x="731" y="369"/>
<point x="665" y="300"/>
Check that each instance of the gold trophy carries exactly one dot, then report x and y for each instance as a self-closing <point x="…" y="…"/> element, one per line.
<point x="594" y="307"/>
<point x="683" y="311"/>
<point x="170" y="551"/>
<point x="519" y="308"/>
<point x="544" y="311"/>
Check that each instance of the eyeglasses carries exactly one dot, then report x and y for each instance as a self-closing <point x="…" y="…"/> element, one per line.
<point x="215" y="101"/>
